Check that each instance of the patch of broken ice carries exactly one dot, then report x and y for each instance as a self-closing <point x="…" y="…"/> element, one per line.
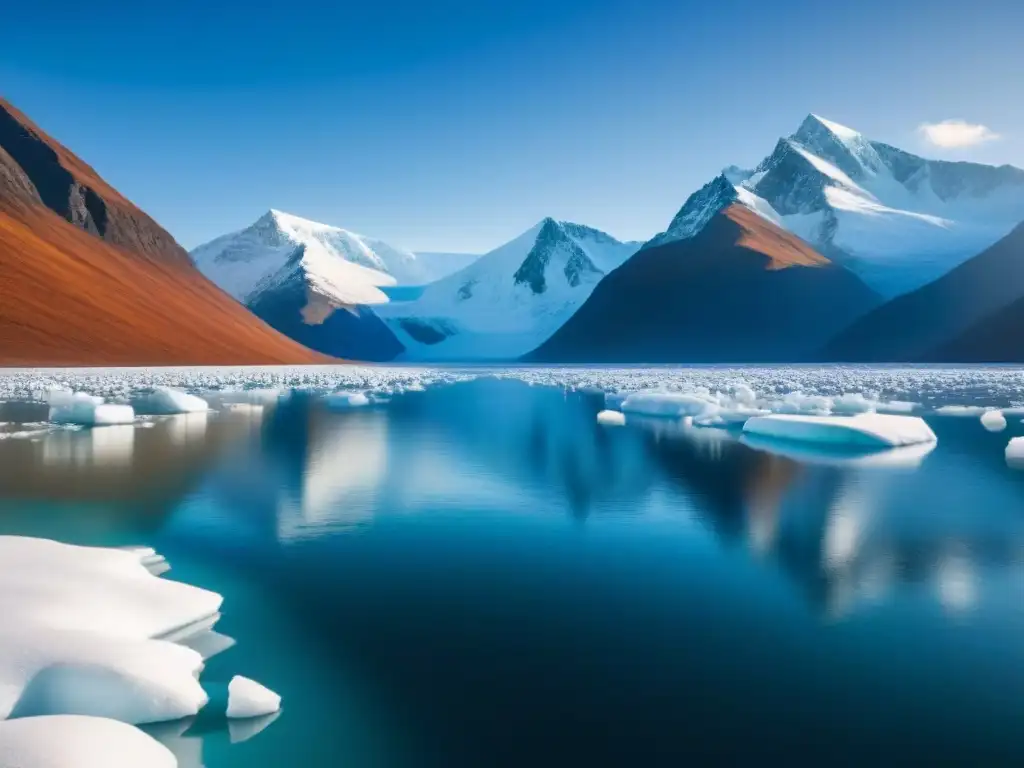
<point x="813" y="390"/>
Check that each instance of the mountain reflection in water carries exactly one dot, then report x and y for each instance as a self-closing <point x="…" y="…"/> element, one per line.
<point x="483" y="559"/>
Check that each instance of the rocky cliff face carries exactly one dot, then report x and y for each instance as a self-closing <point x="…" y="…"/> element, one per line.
<point x="86" y="278"/>
<point x="50" y="174"/>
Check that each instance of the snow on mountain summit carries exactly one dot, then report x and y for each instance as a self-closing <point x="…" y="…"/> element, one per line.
<point x="509" y="300"/>
<point x="895" y="219"/>
<point x="343" y="266"/>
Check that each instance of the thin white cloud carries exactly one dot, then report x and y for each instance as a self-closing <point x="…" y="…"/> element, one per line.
<point x="952" y="134"/>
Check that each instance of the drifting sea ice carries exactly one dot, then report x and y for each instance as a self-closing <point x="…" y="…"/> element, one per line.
<point x="674" y="404"/>
<point x="611" y="418"/>
<point x="92" y="632"/>
<point x="993" y="420"/>
<point x="866" y="430"/>
<point x="168" y="401"/>
<point x="88" y="410"/>
<point x="74" y="741"/>
<point x="342" y="400"/>
<point x="1015" y="453"/>
<point x="247" y="698"/>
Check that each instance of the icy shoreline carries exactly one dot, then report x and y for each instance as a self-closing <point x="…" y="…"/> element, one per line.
<point x="931" y="386"/>
<point x="93" y="635"/>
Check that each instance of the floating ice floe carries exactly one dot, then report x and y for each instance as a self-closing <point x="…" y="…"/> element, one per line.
<point x="993" y="420"/>
<point x="169" y="401"/>
<point x="343" y="400"/>
<point x="93" y="632"/>
<point x="611" y="418"/>
<point x="88" y="410"/>
<point x="961" y="410"/>
<point x="247" y="698"/>
<point x="866" y="430"/>
<point x="1015" y="453"/>
<point x="74" y="741"/>
<point x="902" y="457"/>
<point x="672" y="404"/>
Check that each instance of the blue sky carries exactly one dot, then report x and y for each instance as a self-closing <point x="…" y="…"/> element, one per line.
<point x="456" y="125"/>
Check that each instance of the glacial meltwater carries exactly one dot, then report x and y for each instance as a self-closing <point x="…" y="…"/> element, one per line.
<point x="475" y="571"/>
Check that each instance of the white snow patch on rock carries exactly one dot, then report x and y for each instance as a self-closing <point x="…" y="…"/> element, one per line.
<point x="73" y="741"/>
<point x="247" y="698"/>
<point x="866" y="430"/>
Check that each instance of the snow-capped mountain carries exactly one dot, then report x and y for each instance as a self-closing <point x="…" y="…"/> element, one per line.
<point x="895" y="219"/>
<point x="313" y="282"/>
<point x="342" y="266"/>
<point x="510" y="300"/>
<point x="740" y="289"/>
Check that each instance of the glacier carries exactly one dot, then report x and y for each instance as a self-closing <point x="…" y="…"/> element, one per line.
<point x="511" y="299"/>
<point x="346" y="267"/>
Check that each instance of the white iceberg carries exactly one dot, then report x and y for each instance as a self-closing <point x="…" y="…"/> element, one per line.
<point x="611" y="418"/>
<point x="902" y="457"/>
<point x="247" y="698"/>
<point x="866" y="430"/>
<point x="87" y="410"/>
<point x="73" y="741"/>
<point x="167" y="401"/>
<point x="344" y="400"/>
<point x="1015" y="453"/>
<point x="673" y="404"/>
<point x="993" y="420"/>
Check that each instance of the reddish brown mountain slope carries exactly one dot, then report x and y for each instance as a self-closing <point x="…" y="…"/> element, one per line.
<point x="86" y="278"/>
<point x="741" y="290"/>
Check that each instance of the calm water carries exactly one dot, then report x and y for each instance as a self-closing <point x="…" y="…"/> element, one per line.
<point x="480" y="575"/>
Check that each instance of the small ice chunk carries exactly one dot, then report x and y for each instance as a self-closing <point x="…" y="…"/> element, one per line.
<point x="1015" y="453"/>
<point x="63" y="741"/>
<point x="611" y="418"/>
<point x="247" y="698"/>
<point x="88" y="410"/>
<point x="169" y="401"/>
<point x="993" y="420"/>
<point x="866" y="430"/>
<point x="346" y="400"/>
<point x="674" y="404"/>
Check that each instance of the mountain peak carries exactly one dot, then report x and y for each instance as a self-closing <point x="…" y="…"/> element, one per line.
<point x="813" y="124"/>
